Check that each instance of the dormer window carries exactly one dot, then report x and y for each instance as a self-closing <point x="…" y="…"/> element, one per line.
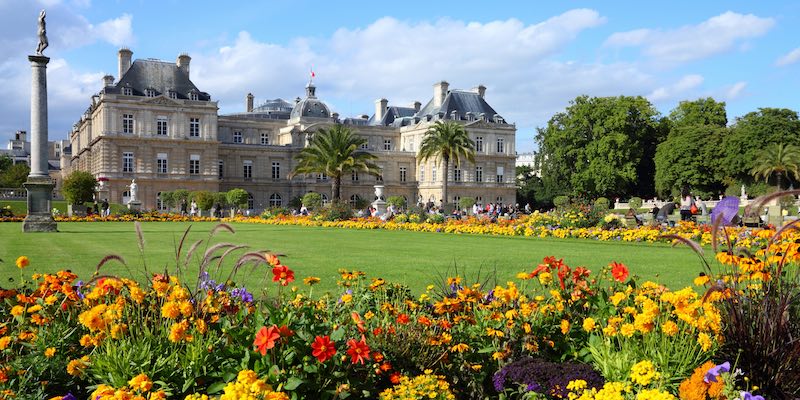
<point x="193" y="96"/>
<point x="127" y="91"/>
<point x="173" y="94"/>
<point x="150" y="92"/>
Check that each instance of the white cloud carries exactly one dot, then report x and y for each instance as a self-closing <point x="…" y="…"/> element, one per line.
<point x="788" y="58"/>
<point x="677" y="89"/>
<point x="693" y="42"/>
<point x="735" y="91"/>
<point x="117" y="31"/>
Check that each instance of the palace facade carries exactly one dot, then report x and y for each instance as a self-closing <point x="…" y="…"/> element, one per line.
<point x="154" y="125"/>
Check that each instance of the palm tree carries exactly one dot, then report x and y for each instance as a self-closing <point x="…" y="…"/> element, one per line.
<point x="778" y="159"/>
<point x="447" y="142"/>
<point x="335" y="152"/>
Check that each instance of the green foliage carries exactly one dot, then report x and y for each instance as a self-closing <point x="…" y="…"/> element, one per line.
<point x="237" y="197"/>
<point x="447" y="142"/>
<point x="397" y="201"/>
<point x="181" y="195"/>
<point x="690" y="157"/>
<point x="336" y="212"/>
<point x="312" y="200"/>
<point x="466" y="202"/>
<point x="435" y="218"/>
<point x="295" y="202"/>
<point x="602" y="203"/>
<point x="14" y="176"/>
<point x="335" y="152"/>
<point x="5" y="162"/>
<point x="704" y="112"/>
<point x="753" y="132"/>
<point x="561" y="201"/>
<point x="275" y="212"/>
<point x="779" y="160"/>
<point x="204" y="199"/>
<point x="601" y="146"/>
<point x="361" y="203"/>
<point x="635" y="203"/>
<point x="78" y="187"/>
<point x="168" y="198"/>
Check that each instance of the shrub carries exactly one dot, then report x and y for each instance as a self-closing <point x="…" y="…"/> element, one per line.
<point x="181" y="195"/>
<point x="635" y="203"/>
<point x="560" y="201"/>
<point x="466" y="202"/>
<point x="397" y="201"/>
<point x="401" y="218"/>
<point x="237" y="197"/>
<point x="78" y="187"/>
<point x="168" y="198"/>
<point x="312" y="200"/>
<point x="204" y="199"/>
<point x="295" y="202"/>
<point x="435" y="218"/>
<point x="337" y="212"/>
<point x="275" y="212"/>
<point x="602" y="203"/>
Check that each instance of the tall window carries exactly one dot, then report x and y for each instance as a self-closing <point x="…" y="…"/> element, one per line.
<point x="354" y="176"/>
<point x="387" y="144"/>
<point x="194" y="127"/>
<point x="150" y="92"/>
<point x="247" y="169"/>
<point x="478" y="174"/>
<point x="499" y="174"/>
<point x="127" y="91"/>
<point x="275" y="200"/>
<point x="479" y="144"/>
<point x="173" y="94"/>
<point x="250" y="202"/>
<point x="456" y="200"/>
<point x="433" y="174"/>
<point x="161" y="126"/>
<point x="456" y="174"/>
<point x="161" y="163"/>
<point x="499" y="199"/>
<point x="237" y="136"/>
<point x="194" y="164"/>
<point x="220" y="169"/>
<point x="364" y="145"/>
<point x="411" y="144"/>
<point x="127" y="123"/>
<point x="127" y="162"/>
<point x="422" y="173"/>
<point x="193" y="96"/>
<point x="403" y="173"/>
<point x="354" y="200"/>
<point x="501" y="148"/>
<point x="276" y="170"/>
<point x="160" y="206"/>
<point x="265" y="139"/>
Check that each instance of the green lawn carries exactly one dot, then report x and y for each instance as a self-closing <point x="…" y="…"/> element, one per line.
<point x="20" y="207"/>
<point x="413" y="258"/>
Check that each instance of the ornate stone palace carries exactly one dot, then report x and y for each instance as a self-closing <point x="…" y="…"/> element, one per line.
<point x="156" y="126"/>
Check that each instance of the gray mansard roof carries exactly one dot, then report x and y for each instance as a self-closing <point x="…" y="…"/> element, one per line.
<point x="310" y="106"/>
<point x="462" y="102"/>
<point x="160" y="76"/>
<point x="393" y="113"/>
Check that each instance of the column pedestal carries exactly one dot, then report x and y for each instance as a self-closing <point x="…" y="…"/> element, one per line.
<point x="135" y="205"/>
<point x="39" y="218"/>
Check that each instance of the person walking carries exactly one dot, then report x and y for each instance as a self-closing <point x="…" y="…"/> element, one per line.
<point x="193" y="209"/>
<point x="183" y="207"/>
<point x="106" y="211"/>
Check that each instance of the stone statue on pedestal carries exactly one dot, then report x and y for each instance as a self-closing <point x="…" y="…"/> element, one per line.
<point x="743" y="194"/>
<point x="134" y="189"/>
<point x="42" y="34"/>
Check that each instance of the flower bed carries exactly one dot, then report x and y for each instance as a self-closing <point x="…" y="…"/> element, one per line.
<point x="608" y="335"/>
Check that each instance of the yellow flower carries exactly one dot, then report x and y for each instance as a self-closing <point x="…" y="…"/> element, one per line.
<point x="49" y="352"/>
<point x="34" y="309"/>
<point x="627" y="330"/>
<point x="17" y="310"/>
<point x="670" y="328"/>
<point x="346" y="298"/>
<point x="644" y="372"/>
<point x="460" y="348"/>
<point x="4" y="342"/>
<point x="588" y="324"/>
<point x="545" y="278"/>
<point x="704" y="340"/>
<point x="311" y="280"/>
<point x="22" y="262"/>
<point x="701" y="280"/>
<point x="140" y="383"/>
<point x="77" y="366"/>
<point x="564" y="326"/>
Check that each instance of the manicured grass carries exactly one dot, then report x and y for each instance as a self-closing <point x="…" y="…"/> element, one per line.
<point x="414" y="258"/>
<point x="20" y="207"/>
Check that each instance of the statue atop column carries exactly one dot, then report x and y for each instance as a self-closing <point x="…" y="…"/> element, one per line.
<point x="42" y="34"/>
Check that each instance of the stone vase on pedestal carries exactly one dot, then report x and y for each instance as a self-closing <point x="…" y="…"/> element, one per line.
<point x="39" y="184"/>
<point x="379" y="203"/>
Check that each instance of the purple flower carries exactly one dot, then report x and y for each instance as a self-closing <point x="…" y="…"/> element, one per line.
<point x="713" y="373"/>
<point x="750" y="396"/>
<point x="242" y="294"/>
<point x="78" y="287"/>
<point x="69" y="396"/>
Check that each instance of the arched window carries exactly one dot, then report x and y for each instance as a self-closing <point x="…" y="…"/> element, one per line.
<point x="126" y="197"/>
<point x="354" y="200"/>
<point x="160" y="206"/>
<point x="250" y="202"/>
<point x="324" y="198"/>
<point x="275" y="200"/>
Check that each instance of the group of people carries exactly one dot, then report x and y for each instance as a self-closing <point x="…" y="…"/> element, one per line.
<point x="102" y="209"/>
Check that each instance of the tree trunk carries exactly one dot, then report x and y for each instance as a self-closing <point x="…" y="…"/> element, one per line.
<point x="779" y="180"/>
<point x="336" y="187"/>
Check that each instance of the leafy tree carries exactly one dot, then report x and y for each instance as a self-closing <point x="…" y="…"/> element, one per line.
<point x="466" y="203"/>
<point x="397" y="201"/>
<point x="237" y="197"/>
<point x="14" y="176"/>
<point x="312" y="200"/>
<point x="778" y="160"/>
<point x="447" y="142"/>
<point x="753" y="132"/>
<point x="5" y="162"/>
<point x="78" y="187"/>
<point x="335" y="152"/>
<point x="600" y="146"/>
<point x="204" y="199"/>
<point x="699" y="112"/>
<point x="526" y="181"/>
<point x="168" y="199"/>
<point x="181" y="195"/>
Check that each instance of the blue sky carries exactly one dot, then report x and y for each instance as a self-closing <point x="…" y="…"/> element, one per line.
<point x="534" y="57"/>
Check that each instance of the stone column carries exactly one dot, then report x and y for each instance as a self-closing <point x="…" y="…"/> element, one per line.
<point x="39" y="184"/>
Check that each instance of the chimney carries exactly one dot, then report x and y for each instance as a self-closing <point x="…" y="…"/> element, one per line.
<point x="108" y="80"/>
<point x="439" y="93"/>
<point x="125" y="55"/>
<point x="249" y="102"/>
<point x="480" y="90"/>
<point x="417" y="106"/>
<point x="380" y="108"/>
<point x="183" y="62"/>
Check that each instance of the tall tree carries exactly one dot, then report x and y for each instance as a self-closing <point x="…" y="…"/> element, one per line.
<point x="335" y="152"/>
<point x="447" y="142"/>
<point x="14" y="176"/>
<point x="778" y="160"/>
<point x="600" y="146"/>
<point x="753" y="132"/>
<point x="690" y="154"/>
